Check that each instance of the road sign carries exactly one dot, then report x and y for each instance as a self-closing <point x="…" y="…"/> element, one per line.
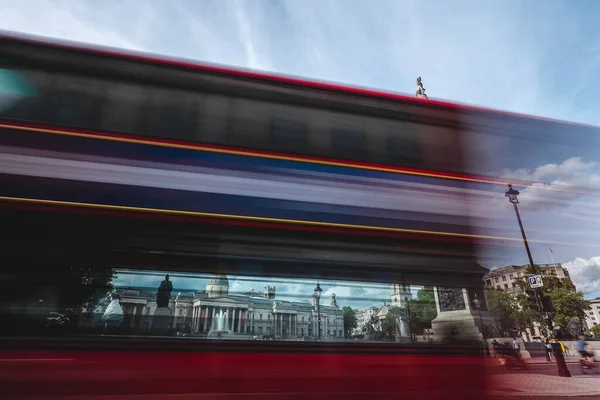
<point x="535" y="281"/>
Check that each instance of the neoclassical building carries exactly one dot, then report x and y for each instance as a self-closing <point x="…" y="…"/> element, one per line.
<point x="252" y="313"/>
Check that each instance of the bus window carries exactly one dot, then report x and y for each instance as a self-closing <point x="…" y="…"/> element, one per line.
<point x="170" y="114"/>
<point x="75" y="102"/>
<point x="214" y="120"/>
<point x="288" y="135"/>
<point x="22" y="94"/>
<point x="403" y="149"/>
<point x="249" y="123"/>
<point x="123" y="110"/>
<point x="348" y="143"/>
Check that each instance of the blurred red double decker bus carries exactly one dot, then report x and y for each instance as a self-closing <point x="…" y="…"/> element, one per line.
<point x="121" y="161"/>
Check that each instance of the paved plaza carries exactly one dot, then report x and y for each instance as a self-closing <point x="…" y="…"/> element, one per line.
<point x="541" y="379"/>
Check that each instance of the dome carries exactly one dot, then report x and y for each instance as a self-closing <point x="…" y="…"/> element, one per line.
<point x="218" y="280"/>
<point x="217" y="286"/>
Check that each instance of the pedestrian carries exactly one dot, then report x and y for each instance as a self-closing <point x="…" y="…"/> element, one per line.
<point x="516" y="347"/>
<point x="548" y="347"/>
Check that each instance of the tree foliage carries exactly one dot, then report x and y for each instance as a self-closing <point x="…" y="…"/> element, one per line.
<point x="569" y="306"/>
<point x="513" y="308"/>
<point x="350" y="320"/>
<point x="595" y="330"/>
<point x="423" y="306"/>
<point x="390" y="323"/>
<point x="501" y="305"/>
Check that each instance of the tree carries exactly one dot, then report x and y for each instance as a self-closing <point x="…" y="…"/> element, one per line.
<point x="595" y="330"/>
<point x="501" y="305"/>
<point x="523" y="316"/>
<point x="66" y="289"/>
<point x="568" y="303"/>
<point x="569" y="306"/>
<point x="390" y="323"/>
<point x="424" y="306"/>
<point x="350" y="320"/>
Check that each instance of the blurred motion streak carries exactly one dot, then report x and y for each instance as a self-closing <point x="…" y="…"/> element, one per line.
<point x="114" y="162"/>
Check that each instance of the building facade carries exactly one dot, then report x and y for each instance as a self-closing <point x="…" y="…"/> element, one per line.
<point x="254" y="313"/>
<point x="505" y="278"/>
<point x="400" y="294"/>
<point x="593" y="314"/>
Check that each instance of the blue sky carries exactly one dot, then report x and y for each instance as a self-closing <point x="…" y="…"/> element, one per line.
<point x="534" y="57"/>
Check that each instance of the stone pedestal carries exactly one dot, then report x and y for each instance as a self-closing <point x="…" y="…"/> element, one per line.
<point x="458" y="319"/>
<point x="161" y="321"/>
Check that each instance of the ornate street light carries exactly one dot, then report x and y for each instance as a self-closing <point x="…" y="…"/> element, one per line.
<point x="512" y="195"/>
<point x="477" y="304"/>
<point x="317" y="295"/>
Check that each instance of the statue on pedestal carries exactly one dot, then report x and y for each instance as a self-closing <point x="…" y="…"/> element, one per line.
<point x="163" y="295"/>
<point x="420" y="89"/>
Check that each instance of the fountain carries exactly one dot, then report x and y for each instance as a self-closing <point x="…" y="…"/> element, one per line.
<point x="404" y="334"/>
<point x="217" y="327"/>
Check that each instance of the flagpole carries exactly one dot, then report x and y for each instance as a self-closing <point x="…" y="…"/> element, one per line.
<point x="551" y="256"/>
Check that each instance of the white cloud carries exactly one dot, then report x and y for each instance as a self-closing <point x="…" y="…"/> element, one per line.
<point x="557" y="185"/>
<point x="585" y="273"/>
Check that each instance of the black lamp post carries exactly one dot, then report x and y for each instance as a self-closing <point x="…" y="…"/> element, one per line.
<point x="477" y="304"/>
<point x="512" y="195"/>
<point x="317" y="294"/>
<point x="409" y="318"/>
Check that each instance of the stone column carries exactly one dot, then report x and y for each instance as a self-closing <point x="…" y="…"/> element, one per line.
<point x="212" y="317"/>
<point x="194" y="315"/>
<point x="279" y="324"/>
<point x="293" y="318"/>
<point x="198" y="314"/>
<point x="206" y="315"/>
<point x="232" y="317"/>
<point x="290" y="325"/>
<point x="236" y="312"/>
<point x="239" y="327"/>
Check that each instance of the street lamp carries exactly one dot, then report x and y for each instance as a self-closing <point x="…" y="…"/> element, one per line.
<point x="477" y="304"/>
<point x="409" y="317"/>
<point x="317" y="295"/>
<point x="512" y="195"/>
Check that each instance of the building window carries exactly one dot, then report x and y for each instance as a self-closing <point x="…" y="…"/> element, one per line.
<point x="506" y="286"/>
<point x="498" y="287"/>
<point x="511" y="276"/>
<point x="504" y="278"/>
<point x="260" y="316"/>
<point x="514" y="285"/>
<point x="496" y="279"/>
